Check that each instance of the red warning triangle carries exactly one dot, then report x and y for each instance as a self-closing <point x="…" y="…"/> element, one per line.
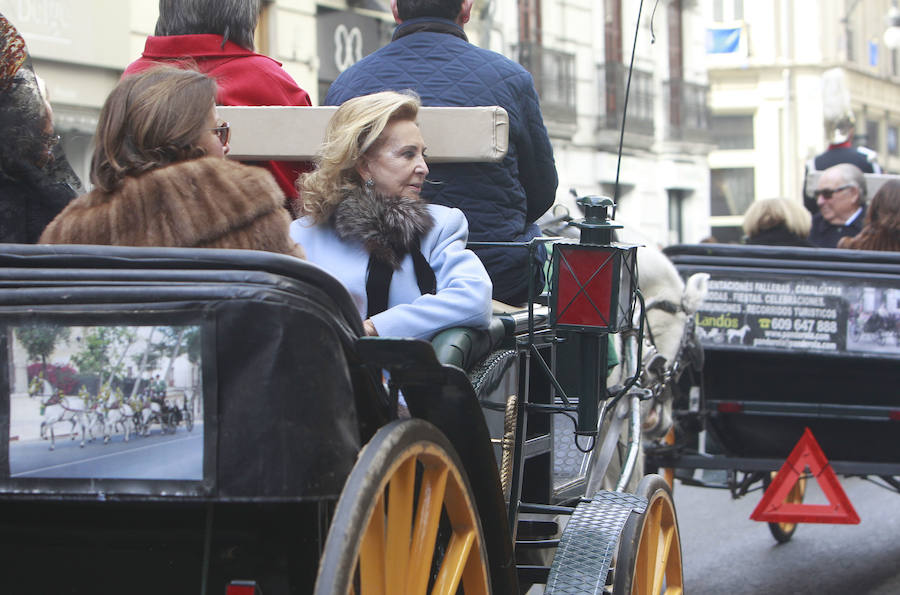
<point x="807" y="453"/>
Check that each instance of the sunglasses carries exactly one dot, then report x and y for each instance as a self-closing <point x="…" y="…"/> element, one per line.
<point x="222" y="132"/>
<point x="827" y="193"/>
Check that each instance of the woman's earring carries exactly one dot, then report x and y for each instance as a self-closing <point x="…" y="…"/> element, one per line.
<point x="370" y="183"/>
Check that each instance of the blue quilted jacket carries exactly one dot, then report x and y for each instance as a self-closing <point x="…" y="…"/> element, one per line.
<point x="500" y="200"/>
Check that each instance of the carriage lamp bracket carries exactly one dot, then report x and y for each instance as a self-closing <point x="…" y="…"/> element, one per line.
<point x="640" y="354"/>
<point x="596" y="227"/>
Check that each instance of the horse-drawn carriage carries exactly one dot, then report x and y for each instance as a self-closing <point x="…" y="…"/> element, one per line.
<point x="167" y="413"/>
<point x="802" y="359"/>
<point x="517" y="465"/>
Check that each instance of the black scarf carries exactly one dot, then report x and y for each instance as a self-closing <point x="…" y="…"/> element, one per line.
<point x="389" y="227"/>
<point x="429" y="25"/>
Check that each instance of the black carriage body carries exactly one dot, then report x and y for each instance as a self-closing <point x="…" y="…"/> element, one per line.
<point x="286" y="407"/>
<point x="782" y="332"/>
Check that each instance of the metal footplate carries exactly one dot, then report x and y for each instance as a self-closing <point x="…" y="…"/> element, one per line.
<point x="589" y="541"/>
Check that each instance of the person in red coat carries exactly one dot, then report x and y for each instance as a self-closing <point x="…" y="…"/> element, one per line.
<point x="217" y="36"/>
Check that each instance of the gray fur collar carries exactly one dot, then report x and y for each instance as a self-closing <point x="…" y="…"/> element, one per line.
<point x="387" y="226"/>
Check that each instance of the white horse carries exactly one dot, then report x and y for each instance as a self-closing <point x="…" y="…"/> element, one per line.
<point x="737" y="335"/>
<point x="58" y="409"/>
<point x="670" y="305"/>
<point x="117" y="414"/>
<point x="94" y="419"/>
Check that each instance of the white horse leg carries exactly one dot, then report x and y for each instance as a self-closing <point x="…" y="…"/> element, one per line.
<point x="52" y="438"/>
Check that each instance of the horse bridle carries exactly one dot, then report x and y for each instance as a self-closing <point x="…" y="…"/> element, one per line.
<point x="665" y="306"/>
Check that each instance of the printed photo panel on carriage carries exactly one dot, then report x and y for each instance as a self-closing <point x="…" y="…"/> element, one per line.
<point x="109" y="405"/>
<point x="829" y="315"/>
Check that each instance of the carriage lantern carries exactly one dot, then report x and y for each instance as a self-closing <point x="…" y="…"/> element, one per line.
<point x="593" y="282"/>
<point x="593" y="294"/>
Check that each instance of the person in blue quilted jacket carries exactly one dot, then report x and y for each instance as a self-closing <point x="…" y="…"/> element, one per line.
<point x="430" y="54"/>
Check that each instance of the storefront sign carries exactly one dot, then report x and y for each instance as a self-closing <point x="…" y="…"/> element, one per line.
<point x="345" y="38"/>
<point x="77" y="32"/>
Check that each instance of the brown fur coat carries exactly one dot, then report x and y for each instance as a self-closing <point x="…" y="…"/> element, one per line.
<point x="202" y="203"/>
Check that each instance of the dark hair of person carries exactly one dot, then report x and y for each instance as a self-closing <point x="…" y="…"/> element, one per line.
<point x="234" y="20"/>
<point x="442" y="9"/>
<point x="881" y="227"/>
<point x="23" y="120"/>
<point x="150" y="120"/>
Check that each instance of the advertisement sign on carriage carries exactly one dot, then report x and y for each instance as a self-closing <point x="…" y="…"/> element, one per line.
<point x="800" y="313"/>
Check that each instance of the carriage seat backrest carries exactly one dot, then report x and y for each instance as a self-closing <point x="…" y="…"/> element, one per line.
<point x="452" y="134"/>
<point x="39" y="268"/>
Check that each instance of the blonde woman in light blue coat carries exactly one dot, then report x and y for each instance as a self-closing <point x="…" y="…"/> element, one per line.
<point x="404" y="261"/>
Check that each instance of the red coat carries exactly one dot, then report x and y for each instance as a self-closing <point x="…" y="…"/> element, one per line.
<point x="244" y="78"/>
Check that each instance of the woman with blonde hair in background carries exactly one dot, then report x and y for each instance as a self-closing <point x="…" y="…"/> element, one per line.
<point x="161" y="178"/>
<point x="404" y="261"/>
<point x="777" y="222"/>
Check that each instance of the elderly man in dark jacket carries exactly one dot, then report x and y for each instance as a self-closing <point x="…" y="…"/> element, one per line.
<point x="841" y="197"/>
<point x="430" y="54"/>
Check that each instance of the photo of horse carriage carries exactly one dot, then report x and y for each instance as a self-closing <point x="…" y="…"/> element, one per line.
<point x="520" y="463"/>
<point x="168" y="414"/>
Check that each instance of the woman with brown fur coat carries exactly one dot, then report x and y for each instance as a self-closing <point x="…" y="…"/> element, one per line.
<point x="881" y="227"/>
<point x="160" y="177"/>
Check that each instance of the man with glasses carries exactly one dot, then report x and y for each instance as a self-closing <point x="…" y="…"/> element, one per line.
<point x="840" y="196"/>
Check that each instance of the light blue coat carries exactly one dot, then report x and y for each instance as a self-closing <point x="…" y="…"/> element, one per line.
<point x="463" y="295"/>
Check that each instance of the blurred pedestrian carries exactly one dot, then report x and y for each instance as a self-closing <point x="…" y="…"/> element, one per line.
<point x="881" y="227"/>
<point x="217" y="37"/>
<point x="36" y="180"/>
<point x="841" y="197"/>
<point x="777" y="222"/>
<point x="840" y="129"/>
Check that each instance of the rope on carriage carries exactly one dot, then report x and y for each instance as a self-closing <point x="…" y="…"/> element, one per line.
<point x="508" y="443"/>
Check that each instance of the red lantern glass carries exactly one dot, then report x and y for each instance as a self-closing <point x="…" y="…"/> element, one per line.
<point x="593" y="287"/>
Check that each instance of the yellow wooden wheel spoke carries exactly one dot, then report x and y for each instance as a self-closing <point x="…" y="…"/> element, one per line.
<point x="371" y="554"/>
<point x="649" y="551"/>
<point x="668" y="473"/>
<point x="400" y="514"/>
<point x="455" y="561"/>
<point x="428" y="518"/>
<point x="649" y="557"/>
<point x="662" y="559"/>
<point x="413" y="505"/>
<point x="671" y="553"/>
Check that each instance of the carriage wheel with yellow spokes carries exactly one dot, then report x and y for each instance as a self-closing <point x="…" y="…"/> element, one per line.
<point x="782" y="532"/>
<point x="406" y="521"/>
<point x="649" y="554"/>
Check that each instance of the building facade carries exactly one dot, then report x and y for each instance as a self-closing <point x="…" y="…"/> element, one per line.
<point x="766" y="95"/>
<point x="579" y="52"/>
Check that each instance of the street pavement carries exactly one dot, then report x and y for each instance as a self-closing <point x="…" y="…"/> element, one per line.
<point x="727" y="553"/>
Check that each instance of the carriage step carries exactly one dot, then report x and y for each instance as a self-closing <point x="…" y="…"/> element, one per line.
<point x="588" y="543"/>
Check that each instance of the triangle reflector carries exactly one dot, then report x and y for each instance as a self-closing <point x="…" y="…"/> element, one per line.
<point x="806" y="454"/>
